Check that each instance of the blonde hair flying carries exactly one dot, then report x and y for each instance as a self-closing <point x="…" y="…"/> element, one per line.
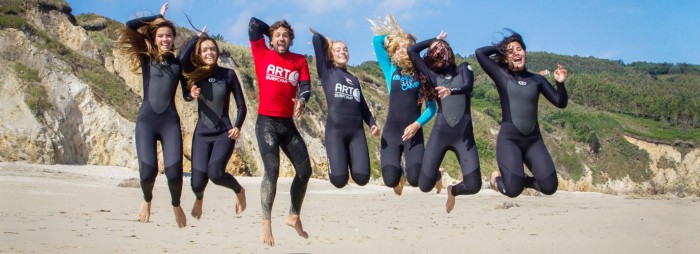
<point x="395" y="35"/>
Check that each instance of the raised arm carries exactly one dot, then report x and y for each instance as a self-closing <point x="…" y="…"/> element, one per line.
<point x="418" y="62"/>
<point x="490" y="67"/>
<point x="320" y="47"/>
<point x="257" y="29"/>
<point x="238" y="97"/>
<point x="139" y="22"/>
<point x="186" y="54"/>
<point x="383" y="59"/>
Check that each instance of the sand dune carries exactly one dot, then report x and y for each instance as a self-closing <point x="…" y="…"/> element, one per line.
<point x="80" y="209"/>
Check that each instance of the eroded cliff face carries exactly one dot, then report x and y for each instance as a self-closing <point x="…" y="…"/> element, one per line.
<point x="76" y="129"/>
<point x="79" y="128"/>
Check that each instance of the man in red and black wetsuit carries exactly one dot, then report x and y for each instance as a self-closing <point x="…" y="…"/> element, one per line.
<point x="281" y="75"/>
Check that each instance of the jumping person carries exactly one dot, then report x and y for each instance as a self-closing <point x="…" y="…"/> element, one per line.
<point x="280" y="74"/>
<point x="453" y="129"/>
<point x="402" y="131"/>
<point x="214" y="137"/>
<point x="149" y="43"/>
<point x="519" y="139"/>
<point x="346" y="145"/>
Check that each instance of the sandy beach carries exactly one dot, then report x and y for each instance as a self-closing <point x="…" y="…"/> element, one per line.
<point x="81" y="209"/>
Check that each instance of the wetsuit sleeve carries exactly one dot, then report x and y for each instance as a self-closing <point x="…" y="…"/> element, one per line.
<point x="319" y="42"/>
<point x="257" y="30"/>
<point x="186" y="54"/>
<point x="383" y="59"/>
<point x="418" y="62"/>
<point x="468" y="77"/>
<point x="237" y="92"/>
<point x="490" y="67"/>
<point x="366" y="114"/>
<point x="139" y="22"/>
<point x="429" y="112"/>
<point x="305" y="82"/>
<point x="559" y="97"/>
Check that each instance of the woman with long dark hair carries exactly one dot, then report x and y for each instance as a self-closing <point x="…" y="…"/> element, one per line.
<point x="453" y="129"/>
<point x="149" y="44"/>
<point x="214" y="137"/>
<point x="519" y="139"/>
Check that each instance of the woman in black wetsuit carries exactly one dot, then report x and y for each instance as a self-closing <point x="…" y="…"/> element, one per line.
<point x="519" y="139"/>
<point x="214" y="137"/>
<point x="346" y="146"/>
<point x="453" y="129"/>
<point x="149" y="43"/>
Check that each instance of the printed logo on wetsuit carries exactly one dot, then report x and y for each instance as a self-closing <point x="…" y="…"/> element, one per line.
<point x="522" y="83"/>
<point x="469" y="67"/>
<point x="347" y="92"/>
<point x="408" y="83"/>
<point x="396" y="77"/>
<point x="211" y="80"/>
<point x="282" y="75"/>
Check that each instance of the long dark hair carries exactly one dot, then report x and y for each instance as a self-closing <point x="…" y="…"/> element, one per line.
<point x="202" y="70"/>
<point x="438" y="58"/>
<point x="141" y="43"/>
<point x="502" y="46"/>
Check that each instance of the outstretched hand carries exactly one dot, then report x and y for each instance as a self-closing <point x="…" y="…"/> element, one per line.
<point x="163" y="8"/>
<point x="203" y="32"/>
<point x="441" y="36"/>
<point x="560" y="74"/>
<point x="312" y="30"/>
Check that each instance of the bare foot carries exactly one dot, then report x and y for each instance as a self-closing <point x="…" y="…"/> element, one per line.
<point x="492" y="181"/>
<point x="145" y="213"/>
<point x="197" y="209"/>
<point x="240" y="204"/>
<point x="267" y="233"/>
<point x="180" y="217"/>
<point x="399" y="188"/>
<point x="450" y="200"/>
<point x="294" y="221"/>
<point x="438" y="184"/>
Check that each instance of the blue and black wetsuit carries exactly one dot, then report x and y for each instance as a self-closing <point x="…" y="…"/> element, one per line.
<point x="346" y="145"/>
<point x="211" y="146"/>
<point x="158" y="120"/>
<point x="403" y="111"/>
<point x="453" y="129"/>
<point x="519" y="139"/>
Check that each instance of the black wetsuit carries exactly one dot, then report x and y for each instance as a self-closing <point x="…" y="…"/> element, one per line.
<point x="158" y="120"/>
<point x="211" y="146"/>
<point x="519" y="139"/>
<point x="453" y="129"/>
<point x="346" y="145"/>
<point x="403" y="110"/>
<point x="275" y="127"/>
